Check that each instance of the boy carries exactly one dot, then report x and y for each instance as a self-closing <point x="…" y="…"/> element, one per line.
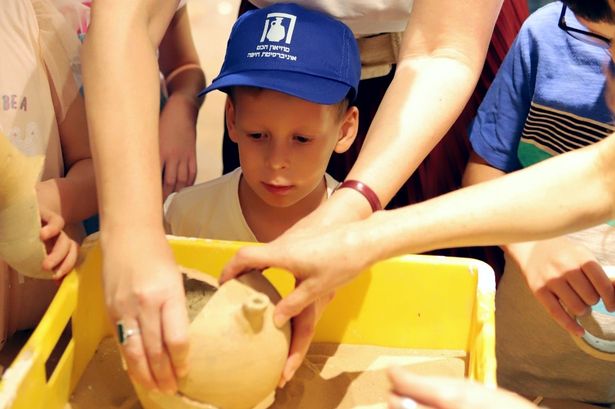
<point x="290" y="75"/>
<point x="548" y="98"/>
<point x="43" y="114"/>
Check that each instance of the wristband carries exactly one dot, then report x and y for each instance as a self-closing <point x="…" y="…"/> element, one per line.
<point x="365" y="190"/>
<point x="179" y="70"/>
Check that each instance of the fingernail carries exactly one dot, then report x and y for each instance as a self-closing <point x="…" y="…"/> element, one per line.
<point x="182" y="372"/>
<point x="279" y="320"/>
<point x="407" y="403"/>
<point x="282" y="383"/>
<point x="124" y="365"/>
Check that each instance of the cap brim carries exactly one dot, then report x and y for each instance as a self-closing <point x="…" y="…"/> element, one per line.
<point x="309" y="87"/>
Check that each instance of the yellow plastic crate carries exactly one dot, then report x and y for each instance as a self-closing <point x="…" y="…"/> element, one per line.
<point x="417" y="302"/>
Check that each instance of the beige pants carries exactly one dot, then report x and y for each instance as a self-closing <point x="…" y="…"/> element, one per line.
<point x="378" y="54"/>
<point x="535" y="356"/>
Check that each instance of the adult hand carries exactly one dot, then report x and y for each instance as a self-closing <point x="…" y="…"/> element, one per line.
<point x="178" y="143"/>
<point x="320" y="262"/>
<point x="564" y="276"/>
<point x="304" y="326"/>
<point x="144" y="292"/>
<point x="410" y="391"/>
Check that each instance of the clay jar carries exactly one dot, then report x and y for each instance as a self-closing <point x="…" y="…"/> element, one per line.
<point x="236" y="352"/>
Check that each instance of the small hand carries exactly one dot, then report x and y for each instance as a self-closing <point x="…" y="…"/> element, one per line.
<point x="61" y="249"/>
<point x="178" y="143"/>
<point x="425" y="392"/>
<point x="565" y="277"/>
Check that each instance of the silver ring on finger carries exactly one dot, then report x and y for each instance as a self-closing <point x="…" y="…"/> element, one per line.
<point x="124" y="332"/>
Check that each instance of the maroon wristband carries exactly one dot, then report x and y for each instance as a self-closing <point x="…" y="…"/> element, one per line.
<point x="365" y="190"/>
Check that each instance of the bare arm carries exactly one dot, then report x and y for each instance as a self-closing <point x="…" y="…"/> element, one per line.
<point x="446" y="393"/>
<point x="559" y="271"/>
<point x="560" y="195"/>
<point x="73" y="196"/>
<point x="177" y="50"/>
<point x="179" y="64"/>
<point x="122" y="90"/>
<point x="442" y="54"/>
<point x="122" y="97"/>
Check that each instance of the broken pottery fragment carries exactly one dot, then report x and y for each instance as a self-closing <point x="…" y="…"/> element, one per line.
<point x="236" y="352"/>
<point x="20" y="223"/>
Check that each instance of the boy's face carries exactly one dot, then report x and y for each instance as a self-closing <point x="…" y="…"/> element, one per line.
<point x="285" y="143"/>
<point x="605" y="29"/>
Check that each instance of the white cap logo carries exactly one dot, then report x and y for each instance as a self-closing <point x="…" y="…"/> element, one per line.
<point x="278" y="27"/>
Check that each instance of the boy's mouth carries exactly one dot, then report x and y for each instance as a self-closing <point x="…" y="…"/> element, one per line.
<point x="277" y="189"/>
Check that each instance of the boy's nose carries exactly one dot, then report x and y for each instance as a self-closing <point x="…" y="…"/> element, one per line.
<point x="278" y="155"/>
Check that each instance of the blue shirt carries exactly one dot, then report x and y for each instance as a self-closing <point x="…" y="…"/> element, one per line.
<point x="547" y="98"/>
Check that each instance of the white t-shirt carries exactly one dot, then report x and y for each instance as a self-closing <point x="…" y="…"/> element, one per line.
<point x="212" y="210"/>
<point x="364" y="17"/>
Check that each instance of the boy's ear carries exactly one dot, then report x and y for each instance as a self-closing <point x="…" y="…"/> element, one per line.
<point x="348" y="130"/>
<point x="229" y="110"/>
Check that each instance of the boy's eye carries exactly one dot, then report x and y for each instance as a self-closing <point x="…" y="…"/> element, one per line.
<point x="302" y="139"/>
<point x="255" y="135"/>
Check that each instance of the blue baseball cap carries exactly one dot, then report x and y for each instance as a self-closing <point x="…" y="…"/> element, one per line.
<point x="290" y="49"/>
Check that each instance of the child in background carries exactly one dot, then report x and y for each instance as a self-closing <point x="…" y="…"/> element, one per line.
<point x="291" y="75"/>
<point x="548" y="98"/>
<point x="42" y="113"/>
<point x="181" y="80"/>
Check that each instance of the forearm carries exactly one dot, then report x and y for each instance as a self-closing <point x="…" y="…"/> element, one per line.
<point x="188" y="84"/>
<point x="73" y="196"/>
<point x="179" y="61"/>
<point x="563" y="194"/>
<point x="122" y="93"/>
<point x="605" y="157"/>
<point x="417" y="110"/>
<point x="479" y="171"/>
<point x="442" y="53"/>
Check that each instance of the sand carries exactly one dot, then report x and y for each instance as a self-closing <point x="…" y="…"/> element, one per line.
<point x="354" y="376"/>
<point x="332" y="377"/>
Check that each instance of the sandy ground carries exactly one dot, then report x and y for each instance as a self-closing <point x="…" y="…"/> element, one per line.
<point x="332" y="377"/>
